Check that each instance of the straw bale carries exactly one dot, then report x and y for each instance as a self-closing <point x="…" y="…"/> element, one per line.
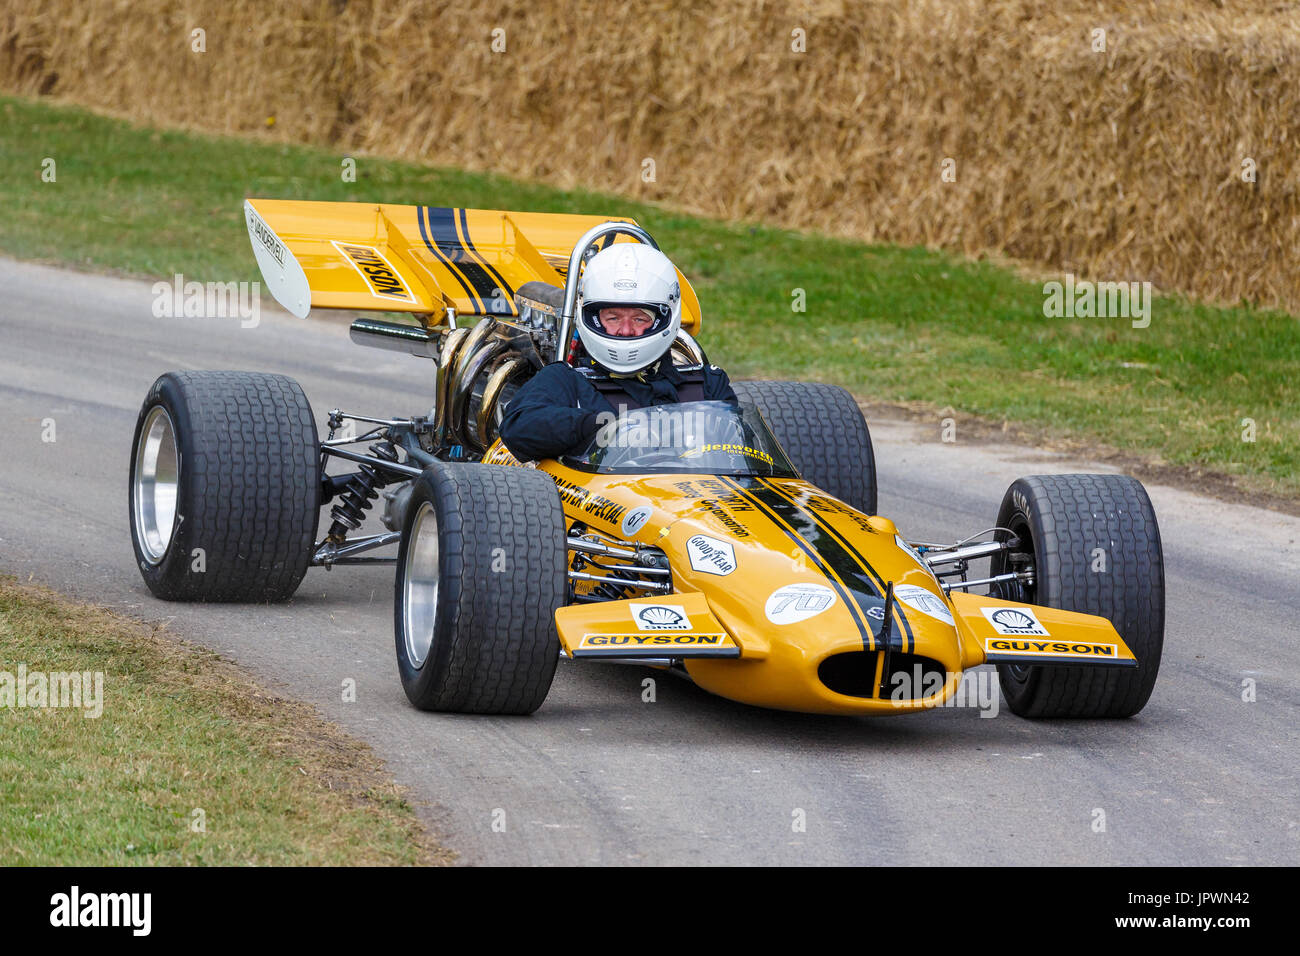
<point x="1123" y="164"/>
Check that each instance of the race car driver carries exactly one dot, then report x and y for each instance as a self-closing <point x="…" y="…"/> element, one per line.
<point x="629" y="313"/>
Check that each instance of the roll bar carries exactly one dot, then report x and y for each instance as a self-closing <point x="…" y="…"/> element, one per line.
<point x="575" y="264"/>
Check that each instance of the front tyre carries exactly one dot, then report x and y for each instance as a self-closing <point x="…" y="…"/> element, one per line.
<point x="1093" y="546"/>
<point x="824" y="433"/>
<point x="224" y="487"/>
<point x="480" y="574"/>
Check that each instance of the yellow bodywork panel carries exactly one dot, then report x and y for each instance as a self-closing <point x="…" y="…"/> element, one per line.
<point x="1006" y="632"/>
<point x="420" y="259"/>
<point x="794" y="578"/>
<point x="680" y="625"/>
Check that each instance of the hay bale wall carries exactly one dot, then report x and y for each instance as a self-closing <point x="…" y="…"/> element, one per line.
<point x="1123" y="164"/>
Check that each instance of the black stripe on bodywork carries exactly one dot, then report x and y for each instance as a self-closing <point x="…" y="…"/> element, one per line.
<point x="442" y="227"/>
<point x="808" y="544"/>
<point x="848" y="550"/>
<point x="507" y="292"/>
<point x="420" y="214"/>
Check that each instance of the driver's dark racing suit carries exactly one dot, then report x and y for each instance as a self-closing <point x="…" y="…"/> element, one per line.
<point x="562" y="407"/>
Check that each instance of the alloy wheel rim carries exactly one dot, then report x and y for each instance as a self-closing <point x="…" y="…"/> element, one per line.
<point x="155" y="485"/>
<point x="420" y="586"/>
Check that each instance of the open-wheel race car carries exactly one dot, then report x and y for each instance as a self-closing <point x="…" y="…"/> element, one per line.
<point x="735" y="544"/>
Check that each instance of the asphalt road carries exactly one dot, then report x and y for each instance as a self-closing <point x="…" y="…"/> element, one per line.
<point x="598" y="775"/>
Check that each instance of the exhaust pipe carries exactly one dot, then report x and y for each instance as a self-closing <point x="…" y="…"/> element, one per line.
<point x="415" y="340"/>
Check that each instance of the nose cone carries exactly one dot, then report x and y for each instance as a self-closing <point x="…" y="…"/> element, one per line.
<point x="801" y="587"/>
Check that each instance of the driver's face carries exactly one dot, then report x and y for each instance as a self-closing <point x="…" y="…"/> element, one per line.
<point x="625" y="321"/>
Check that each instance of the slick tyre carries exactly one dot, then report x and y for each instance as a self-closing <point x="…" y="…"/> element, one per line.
<point x="823" y="431"/>
<point x="1093" y="545"/>
<point x="480" y="574"/>
<point x="224" y="488"/>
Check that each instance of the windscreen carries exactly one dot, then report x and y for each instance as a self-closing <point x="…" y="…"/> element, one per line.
<point x="703" y="438"/>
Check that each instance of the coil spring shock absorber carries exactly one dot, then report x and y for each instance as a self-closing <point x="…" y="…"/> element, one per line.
<point x="359" y="494"/>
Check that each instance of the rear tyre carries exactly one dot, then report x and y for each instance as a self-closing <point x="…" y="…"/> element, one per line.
<point x="824" y="433"/>
<point x="224" y="488"/>
<point x="480" y="574"/>
<point x="1094" y="546"/>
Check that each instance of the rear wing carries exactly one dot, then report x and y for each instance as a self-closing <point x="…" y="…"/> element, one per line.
<point x="428" y="260"/>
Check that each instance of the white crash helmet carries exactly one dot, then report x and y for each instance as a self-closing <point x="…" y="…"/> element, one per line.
<point x="629" y="274"/>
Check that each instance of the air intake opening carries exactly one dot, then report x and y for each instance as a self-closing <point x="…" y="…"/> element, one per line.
<point x="910" y="677"/>
<point x="852" y="674"/>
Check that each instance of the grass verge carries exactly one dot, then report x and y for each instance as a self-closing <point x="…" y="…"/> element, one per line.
<point x="1203" y="391"/>
<point x="179" y="731"/>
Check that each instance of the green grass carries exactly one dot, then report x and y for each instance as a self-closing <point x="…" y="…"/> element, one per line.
<point x="893" y="324"/>
<point x="179" y="730"/>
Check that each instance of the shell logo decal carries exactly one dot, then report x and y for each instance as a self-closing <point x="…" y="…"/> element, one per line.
<point x="1018" y="621"/>
<point x="660" y="617"/>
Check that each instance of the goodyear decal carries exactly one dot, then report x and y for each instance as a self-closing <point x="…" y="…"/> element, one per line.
<point x="378" y="272"/>
<point x="590" y="503"/>
<point x="1024" y="647"/>
<point x="711" y="555"/>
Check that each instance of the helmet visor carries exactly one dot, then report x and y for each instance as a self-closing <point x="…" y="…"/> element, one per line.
<point x="629" y="320"/>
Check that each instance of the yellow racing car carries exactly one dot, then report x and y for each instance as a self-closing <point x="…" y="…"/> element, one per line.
<point x="735" y="544"/>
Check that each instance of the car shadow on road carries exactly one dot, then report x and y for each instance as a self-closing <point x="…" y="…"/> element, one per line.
<point x="682" y="711"/>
